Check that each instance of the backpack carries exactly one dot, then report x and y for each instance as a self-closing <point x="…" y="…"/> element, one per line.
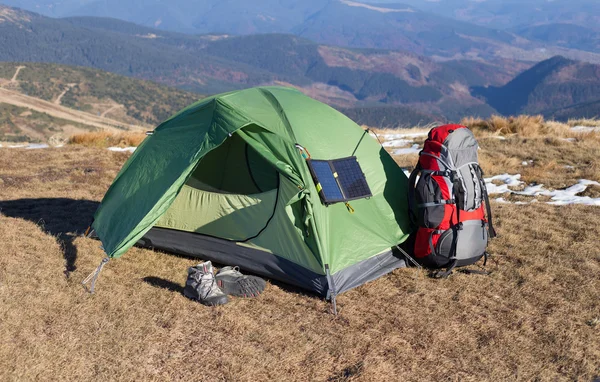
<point x="449" y="201"/>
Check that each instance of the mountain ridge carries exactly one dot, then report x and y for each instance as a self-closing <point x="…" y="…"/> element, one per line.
<point x="552" y="88"/>
<point x="397" y="25"/>
<point x="370" y="84"/>
<point x="361" y="77"/>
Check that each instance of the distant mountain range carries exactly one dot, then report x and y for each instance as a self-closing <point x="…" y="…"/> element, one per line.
<point x="208" y="64"/>
<point x="557" y="87"/>
<point x="561" y="34"/>
<point x="444" y="29"/>
<point x="373" y="86"/>
<point x="507" y="14"/>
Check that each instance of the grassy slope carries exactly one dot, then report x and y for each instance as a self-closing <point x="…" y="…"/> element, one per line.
<point x="94" y="90"/>
<point x="20" y="124"/>
<point x="536" y="317"/>
<point x="94" y="94"/>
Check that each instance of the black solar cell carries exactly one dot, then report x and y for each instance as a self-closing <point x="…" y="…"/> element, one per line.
<point x="331" y="190"/>
<point x="339" y="180"/>
<point x="351" y="178"/>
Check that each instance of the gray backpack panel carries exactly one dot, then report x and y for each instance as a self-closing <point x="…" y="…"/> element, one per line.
<point x="471" y="240"/>
<point x="462" y="148"/>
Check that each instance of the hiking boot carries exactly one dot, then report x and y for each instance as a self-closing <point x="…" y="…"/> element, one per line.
<point x="233" y="282"/>
<point x="202" y="286"/>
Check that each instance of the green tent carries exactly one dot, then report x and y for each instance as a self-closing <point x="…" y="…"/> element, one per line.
<point x="250" y="178"/>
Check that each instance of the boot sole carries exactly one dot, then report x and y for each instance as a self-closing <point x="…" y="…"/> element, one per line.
<point x="248" y="286"/>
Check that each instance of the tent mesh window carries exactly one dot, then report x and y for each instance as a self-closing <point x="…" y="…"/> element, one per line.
<point x="339" y="180"/>
<point x="234" y="168"/>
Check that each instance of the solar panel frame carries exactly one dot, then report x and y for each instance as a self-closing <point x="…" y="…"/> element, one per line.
<point x="339" y="180"/>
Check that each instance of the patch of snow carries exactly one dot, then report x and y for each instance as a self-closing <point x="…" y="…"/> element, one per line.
<point x="35" y="146"/>
<point x="524" y="163"/>
<point x="568" y="139"/>
<point x="584" y="129"/>
<point x="558" y="197"/>
<point x="375" y="8"/>
<point x="414" y="149"/>
<point x="397" y="143"/>
<point x="29" y="146"/>
<point x="122" y="149"/>
<point x="507" y="179"/>
<point x="532" y="190"/>
<point x="402" y="136"/>
<point x="500" y="137"/>
<point x="570" y="167"/>
<point x="569" y="195"/>
<point x="148" y="36"/>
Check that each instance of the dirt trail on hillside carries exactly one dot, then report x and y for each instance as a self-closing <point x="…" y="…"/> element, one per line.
<point x="57" y="100"/>
<point x="17" y="99"/>
<point x="110" y="109"/>
<point x="14" y="78"/>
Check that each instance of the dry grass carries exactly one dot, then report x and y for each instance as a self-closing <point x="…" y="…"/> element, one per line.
<point x="106" y="139"/>
<point x="546" y="152"/>
<point x="410" y="130"/>
<point x="553" y="162"/>
<point x="526" y="126"/>
<point x="592" y="122"/>
<point x="536" y="317"/>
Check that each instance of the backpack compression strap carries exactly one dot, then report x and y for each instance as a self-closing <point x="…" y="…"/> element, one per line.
<point x="488" y="208"/>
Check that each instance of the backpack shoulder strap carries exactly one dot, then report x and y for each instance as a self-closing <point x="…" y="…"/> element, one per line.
<point x="411" y="193"/>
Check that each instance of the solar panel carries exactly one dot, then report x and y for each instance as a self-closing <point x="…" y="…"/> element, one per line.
<point x="351" y="178"/>
<point x="339" y="180"/>
<point x="329" y="188"/>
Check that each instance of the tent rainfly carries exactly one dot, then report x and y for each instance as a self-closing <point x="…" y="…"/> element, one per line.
<point x="267" y="179"/>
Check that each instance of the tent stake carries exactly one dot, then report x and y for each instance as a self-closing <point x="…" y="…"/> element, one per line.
<point x="331" y="289"/>
<point x="94" y="275"/>
<point x="334" y="305"/>
<point x="407" y="256"/>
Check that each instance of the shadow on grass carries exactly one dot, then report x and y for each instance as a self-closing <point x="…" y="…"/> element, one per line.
<point x="163" y="284"/>
<point x="62" y="218"/>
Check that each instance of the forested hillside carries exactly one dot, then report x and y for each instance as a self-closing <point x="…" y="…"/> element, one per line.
<point x="392" y="82"/>
<point x="449" y="29"/>
<point x="557" y="87"/>
<point x="209" y="64"/>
